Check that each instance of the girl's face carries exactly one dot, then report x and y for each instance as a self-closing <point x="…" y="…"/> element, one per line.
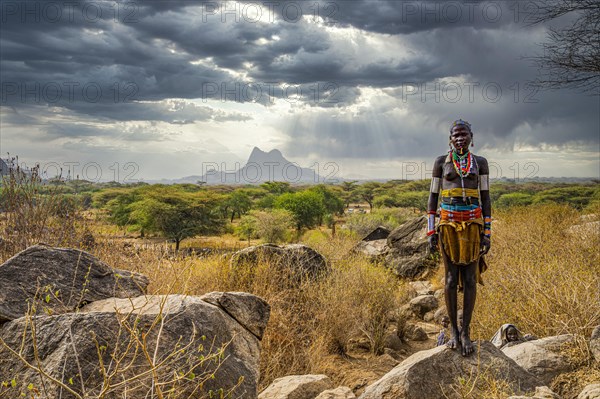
<point x="511" y="334"/>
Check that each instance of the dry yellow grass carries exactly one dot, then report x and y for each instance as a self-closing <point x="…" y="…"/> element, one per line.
<point x="543" y="277"/>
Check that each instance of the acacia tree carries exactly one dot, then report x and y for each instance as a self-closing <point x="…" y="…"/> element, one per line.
<point x="571" y="56"/>
<point x="349" y="190"/>
<point x="368" y="191"/>
<point x="239" y="203"/>
<point x="306" y="206"/>
<point x="332" y="203"/>
<point x="178" y="215"/>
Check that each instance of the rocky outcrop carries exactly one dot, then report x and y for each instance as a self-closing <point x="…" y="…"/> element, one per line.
<point x="374" y="249"/>
<point x="249" y="310"/>
<point x="412" y="379"/>
<point x="298" y="260"/>
<point x="297" y="387"/>
<point x="404" y="251"/>
<point x="60" y="280"/>
<point x="379" y="233"/>
<point x="133" y="346"/>
<point x="407" y="253"/>
<point x="542" y="357"/>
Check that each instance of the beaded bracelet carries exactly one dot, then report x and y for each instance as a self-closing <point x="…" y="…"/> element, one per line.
<point x="487" y="226"/>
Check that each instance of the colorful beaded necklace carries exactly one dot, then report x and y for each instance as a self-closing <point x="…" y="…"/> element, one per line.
<point x="462" y="164"/>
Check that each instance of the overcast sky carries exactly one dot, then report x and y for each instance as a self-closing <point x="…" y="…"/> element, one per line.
<point x="360" y="88"/>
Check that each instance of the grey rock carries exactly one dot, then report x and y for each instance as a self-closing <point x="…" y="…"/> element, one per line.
<point x="415" y="333"/>
<point x="179" y="331"/>
<point x="249" y="310"/>
<point x="372" y="249"/>
<point x="60" y="280"/>
<point x="542" y="357"/>
<point x="300" y="261"/>
<point x="338" y="393"/>
<point x="412" y="379"/>
<point x="542" y="392"/>
<point x="429" y="316"/>
<point x="439" y="295"/>
<point x="392" y="341"/>
<point x="378" y="233"/>
<point x="408" y="255"/>
<point x="439" y="313"/>
<point x="397" y="355"/>
<point x="423" y="304"/>
<point x="591" y="391"/>
<point x="429" y="328"/>
<point x="297" y="387"/>
<point x="422" y="287"/>
<point x="595" y="343"/>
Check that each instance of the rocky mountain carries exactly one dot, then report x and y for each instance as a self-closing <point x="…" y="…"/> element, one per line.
<point x="261" y="167"/>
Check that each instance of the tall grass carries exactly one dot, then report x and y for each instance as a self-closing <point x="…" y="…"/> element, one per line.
<point x="544" y="274"/>
<point x="308" y="321"/>
<point x="35" y="211"/>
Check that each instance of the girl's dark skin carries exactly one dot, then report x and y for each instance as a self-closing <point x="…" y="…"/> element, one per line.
<point x="511" y="334"/>
<point x="460" y="138"/>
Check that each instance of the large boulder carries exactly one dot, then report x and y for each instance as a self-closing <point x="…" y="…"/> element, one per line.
<point x="374" y="244"/>
<point x="408" y="255"/>
<point x="373" y="250"/>
<point x="542" y="357"/>
<point x="591" y="391"/>
<point x="379" y="233"/>
<point x="60" y="280"/>
<point x="412" y="379"/>
<point x="298" y="260"/>
<point x="132" y="346"/>
<point x="249" y="310"/>
<point x="297" y="387"/>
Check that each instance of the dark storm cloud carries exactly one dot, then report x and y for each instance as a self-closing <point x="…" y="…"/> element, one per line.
<point x="150" y="45"/>
<point x="367" y="137"/>
<point x="404" y="17"/>
<point x="116" y="61"/>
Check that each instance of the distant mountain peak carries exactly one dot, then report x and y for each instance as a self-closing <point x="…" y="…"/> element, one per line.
<point x="261" y="157"/>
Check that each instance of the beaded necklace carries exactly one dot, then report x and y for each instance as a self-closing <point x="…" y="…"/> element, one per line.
<point x="462" y="165"/>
